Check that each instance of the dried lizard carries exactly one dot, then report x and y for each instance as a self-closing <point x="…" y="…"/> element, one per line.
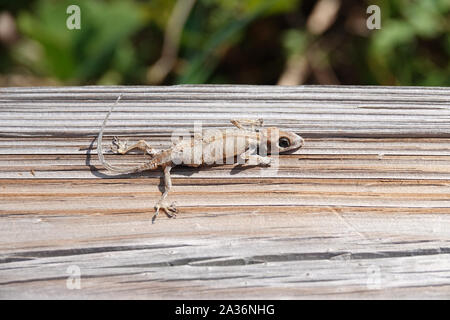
<point x="212" y="146"/>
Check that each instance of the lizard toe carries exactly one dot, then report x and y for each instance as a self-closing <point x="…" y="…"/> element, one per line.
<point x="171" y="211"/>
<point x="157" y="207"/>
<point x="172" y="215"/>
<point x="173" y="207"/>
<point x="265" y="161"/>
<point x="118" y="146"/>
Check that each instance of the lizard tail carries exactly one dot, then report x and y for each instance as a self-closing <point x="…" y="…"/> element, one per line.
<point x="146" y="166"/>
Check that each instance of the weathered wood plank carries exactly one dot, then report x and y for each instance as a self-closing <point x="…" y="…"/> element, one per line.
<point x="139" y="195"/>
<point x="311" y="111"/>
<point x="321" y="158"/>
<point x="278" y="254"/>
<point x="362" y="211"/>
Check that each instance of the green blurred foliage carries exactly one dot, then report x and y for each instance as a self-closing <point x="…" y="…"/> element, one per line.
<point x="228" y="41"/>
<point x="100" y="48"/>
<point x="223" y="28"/>
<point x="410" y="47"/>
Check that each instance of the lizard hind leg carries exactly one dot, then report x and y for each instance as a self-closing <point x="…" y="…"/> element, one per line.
<point x="121" y="146"/>
<point x="171" y="209"/>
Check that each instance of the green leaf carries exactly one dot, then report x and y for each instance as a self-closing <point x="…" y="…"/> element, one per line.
<point x="424" y="17"/>
<point x="393" y="33"/>
<point x="295" y="41"/>
<point x="85" y="54"/>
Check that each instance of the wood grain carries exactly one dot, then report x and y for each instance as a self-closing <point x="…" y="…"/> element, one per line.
<point x="362" y="211"/>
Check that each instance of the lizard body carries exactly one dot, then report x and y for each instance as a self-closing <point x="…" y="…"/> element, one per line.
<point x="211" y="147"/>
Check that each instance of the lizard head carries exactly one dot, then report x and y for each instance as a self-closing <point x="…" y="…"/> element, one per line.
<point x="280" y="140"/>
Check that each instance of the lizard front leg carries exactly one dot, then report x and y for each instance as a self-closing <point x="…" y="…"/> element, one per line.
<point x="121" y="146"/>
<point x="254" y="159"/>
<point x="171" y="210"/>
<point x="240" y="123"/>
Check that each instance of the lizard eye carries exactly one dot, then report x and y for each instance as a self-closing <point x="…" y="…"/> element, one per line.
<point x="284" y="142"/>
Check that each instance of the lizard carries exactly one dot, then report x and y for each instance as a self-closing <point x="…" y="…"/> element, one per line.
<point x="212" y="146"/>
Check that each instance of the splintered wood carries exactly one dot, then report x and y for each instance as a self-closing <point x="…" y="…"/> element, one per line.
<point x="361" y="211"/>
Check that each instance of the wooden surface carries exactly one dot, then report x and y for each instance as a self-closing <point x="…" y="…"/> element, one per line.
<point x="362" y="211"/>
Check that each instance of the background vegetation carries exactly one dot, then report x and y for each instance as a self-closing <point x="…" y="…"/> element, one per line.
<point x="224" y="41"/>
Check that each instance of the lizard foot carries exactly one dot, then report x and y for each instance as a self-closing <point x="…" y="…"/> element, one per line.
<point x="119" y="146"/>
<point x="257" y="160"/>
<point x="265" y="161"/>
<point x="171" y="210"/>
